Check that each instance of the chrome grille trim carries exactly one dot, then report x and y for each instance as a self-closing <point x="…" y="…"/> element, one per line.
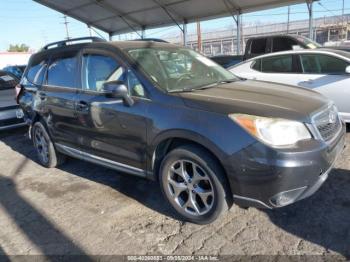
<point x="323" y="128"/>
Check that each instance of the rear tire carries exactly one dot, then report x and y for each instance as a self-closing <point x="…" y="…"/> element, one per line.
<point x="46" y="152"/>
<point x="194" y="184"/>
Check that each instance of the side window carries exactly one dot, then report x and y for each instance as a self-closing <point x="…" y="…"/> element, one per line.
<point x="283" y="44"/>
<point x="63" y="72"/>
<point x="36" y="72"/>
<point x="99" y="69"/>
<point x="257" y="65"/>
<point x="323" y="64"/>
<point x="135" y="86"/>
<point x="258" y="46"/>
<point x="277" y="64"/>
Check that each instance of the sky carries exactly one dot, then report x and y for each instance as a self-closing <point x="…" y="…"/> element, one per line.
<point x="25" y="21"/>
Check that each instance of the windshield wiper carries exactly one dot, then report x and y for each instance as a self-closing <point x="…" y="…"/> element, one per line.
<point x="191" y="89"/>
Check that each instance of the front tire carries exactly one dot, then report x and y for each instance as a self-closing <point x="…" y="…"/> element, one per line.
<point x="194" y="184"/>
<point x="46" y="152"/>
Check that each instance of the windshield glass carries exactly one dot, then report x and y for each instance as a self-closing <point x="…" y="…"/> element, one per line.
<point x="179" y="69"/>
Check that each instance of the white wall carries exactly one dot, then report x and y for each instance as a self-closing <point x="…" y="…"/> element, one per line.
<point x="13" y="58"/>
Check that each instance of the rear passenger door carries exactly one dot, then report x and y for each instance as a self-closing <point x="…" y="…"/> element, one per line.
<point x="59" y="96"/>
<point x="110" y="129"/>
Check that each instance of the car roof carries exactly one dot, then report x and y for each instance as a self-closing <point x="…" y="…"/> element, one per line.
<point x="344" y="54"/>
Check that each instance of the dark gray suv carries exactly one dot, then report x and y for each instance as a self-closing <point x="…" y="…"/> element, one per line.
<point x="167" y="113"/>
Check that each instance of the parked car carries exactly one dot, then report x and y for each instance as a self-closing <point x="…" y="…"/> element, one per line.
<point x="326" y="71"/>
<point x="16" y="70"/>
<point x="227" y="61"/>
<point x="207" y="136"/>
<point x="11" y="115"/>
<point x="256" y="46"/>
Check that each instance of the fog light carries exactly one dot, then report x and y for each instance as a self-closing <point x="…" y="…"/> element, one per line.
<point x="287" y="197"/>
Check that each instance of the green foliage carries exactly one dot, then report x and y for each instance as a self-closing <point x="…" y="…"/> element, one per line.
<point x="18" y="48"/>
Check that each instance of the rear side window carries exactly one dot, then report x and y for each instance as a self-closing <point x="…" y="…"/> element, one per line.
<point x="36" y="72"/>
<point x="277" y="64"/>
<point x="283" y="44"/>
<point x="258" y="46"/>
<point x="322" y="64"/>
<point x="63" y="72"/>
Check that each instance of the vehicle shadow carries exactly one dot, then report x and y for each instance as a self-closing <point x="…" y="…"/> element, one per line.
<point x="37" y="228"/>
<point x="145" y="191"/>
<point x="324" y="218"/>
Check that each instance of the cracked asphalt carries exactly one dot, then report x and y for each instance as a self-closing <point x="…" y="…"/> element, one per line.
<point x="81" y="208"/>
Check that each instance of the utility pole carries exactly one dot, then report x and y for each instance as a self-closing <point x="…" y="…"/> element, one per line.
<point x="288" y="20"/>
<point x="199" y="36"/>
<point x="342" y="20"/>
<point x="66" y="26"/>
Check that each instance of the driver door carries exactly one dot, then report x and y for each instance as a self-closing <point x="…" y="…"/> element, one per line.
<point x="111" y="130"/>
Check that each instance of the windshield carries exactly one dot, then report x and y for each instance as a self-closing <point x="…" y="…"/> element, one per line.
<point x="179" y="69"/>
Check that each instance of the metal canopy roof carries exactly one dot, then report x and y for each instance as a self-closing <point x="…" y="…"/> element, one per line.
<point x="122" y="16"/>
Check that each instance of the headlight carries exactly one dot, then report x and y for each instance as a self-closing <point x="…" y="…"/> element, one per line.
<point x="273" y="131"/>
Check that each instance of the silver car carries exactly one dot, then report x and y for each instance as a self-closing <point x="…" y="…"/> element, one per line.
<point x="326" y="71"/>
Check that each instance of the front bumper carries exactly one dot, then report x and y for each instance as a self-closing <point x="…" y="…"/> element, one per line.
<point x="11" y="117"/>
<point x="263" y="177"/>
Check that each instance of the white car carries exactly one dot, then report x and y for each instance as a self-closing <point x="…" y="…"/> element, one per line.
<point x="326" y="71"/>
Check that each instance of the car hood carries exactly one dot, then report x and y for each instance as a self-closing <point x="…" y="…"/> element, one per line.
<point x="257" y="98"/>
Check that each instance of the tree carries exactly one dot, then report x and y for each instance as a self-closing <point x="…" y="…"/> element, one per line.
<point x="18" y="48"/>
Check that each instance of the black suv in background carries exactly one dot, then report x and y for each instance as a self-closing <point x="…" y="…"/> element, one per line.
<point x="167" y="113"/>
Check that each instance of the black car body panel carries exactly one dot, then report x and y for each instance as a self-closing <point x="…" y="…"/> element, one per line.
<point x="105" y="130"/>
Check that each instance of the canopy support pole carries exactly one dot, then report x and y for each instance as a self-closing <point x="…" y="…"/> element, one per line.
<point x="143" y="32"/>
<point x="309" y="4"/>
<point x="110" y="37"/>
<point x="184" y="32"/>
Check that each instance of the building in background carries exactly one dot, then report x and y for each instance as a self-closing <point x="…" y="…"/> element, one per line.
<point x="327" y="31"/>
<point x="14" y="58"/>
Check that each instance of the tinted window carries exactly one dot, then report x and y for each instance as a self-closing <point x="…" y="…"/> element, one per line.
<point x="36" y="72"/>
<point x="277" y="64"/>
<point x="99" y="69"/>
<point x="63" y="72"/>
<point x="283" y="44"/>
<point x="323" y="64"/>
<point x="258" y="46"/>
<point x="257" y="65"/>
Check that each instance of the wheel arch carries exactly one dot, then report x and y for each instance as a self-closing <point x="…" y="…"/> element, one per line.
<point x="169" y="140"/>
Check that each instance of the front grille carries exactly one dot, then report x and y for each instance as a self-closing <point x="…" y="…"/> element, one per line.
<point x="328" y="123"/>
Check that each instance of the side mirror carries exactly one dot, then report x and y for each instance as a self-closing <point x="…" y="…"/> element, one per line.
<point x="117" y="89"/>
<point x="347" y="70"/>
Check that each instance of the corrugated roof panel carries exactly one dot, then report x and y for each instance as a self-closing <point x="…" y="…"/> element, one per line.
<point x="124" y="16"/>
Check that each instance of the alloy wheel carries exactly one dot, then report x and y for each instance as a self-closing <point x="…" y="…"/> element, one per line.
<point x="190" y="187"/>
<point x="41" y="145"/>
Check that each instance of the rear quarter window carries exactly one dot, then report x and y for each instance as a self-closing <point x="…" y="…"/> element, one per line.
<point x="256" y="65"/>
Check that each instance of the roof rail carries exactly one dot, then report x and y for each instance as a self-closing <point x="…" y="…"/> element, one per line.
<point x="64" y="42"/>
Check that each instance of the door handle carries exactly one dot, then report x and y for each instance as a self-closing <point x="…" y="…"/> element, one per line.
<point x="82" y="106"/>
